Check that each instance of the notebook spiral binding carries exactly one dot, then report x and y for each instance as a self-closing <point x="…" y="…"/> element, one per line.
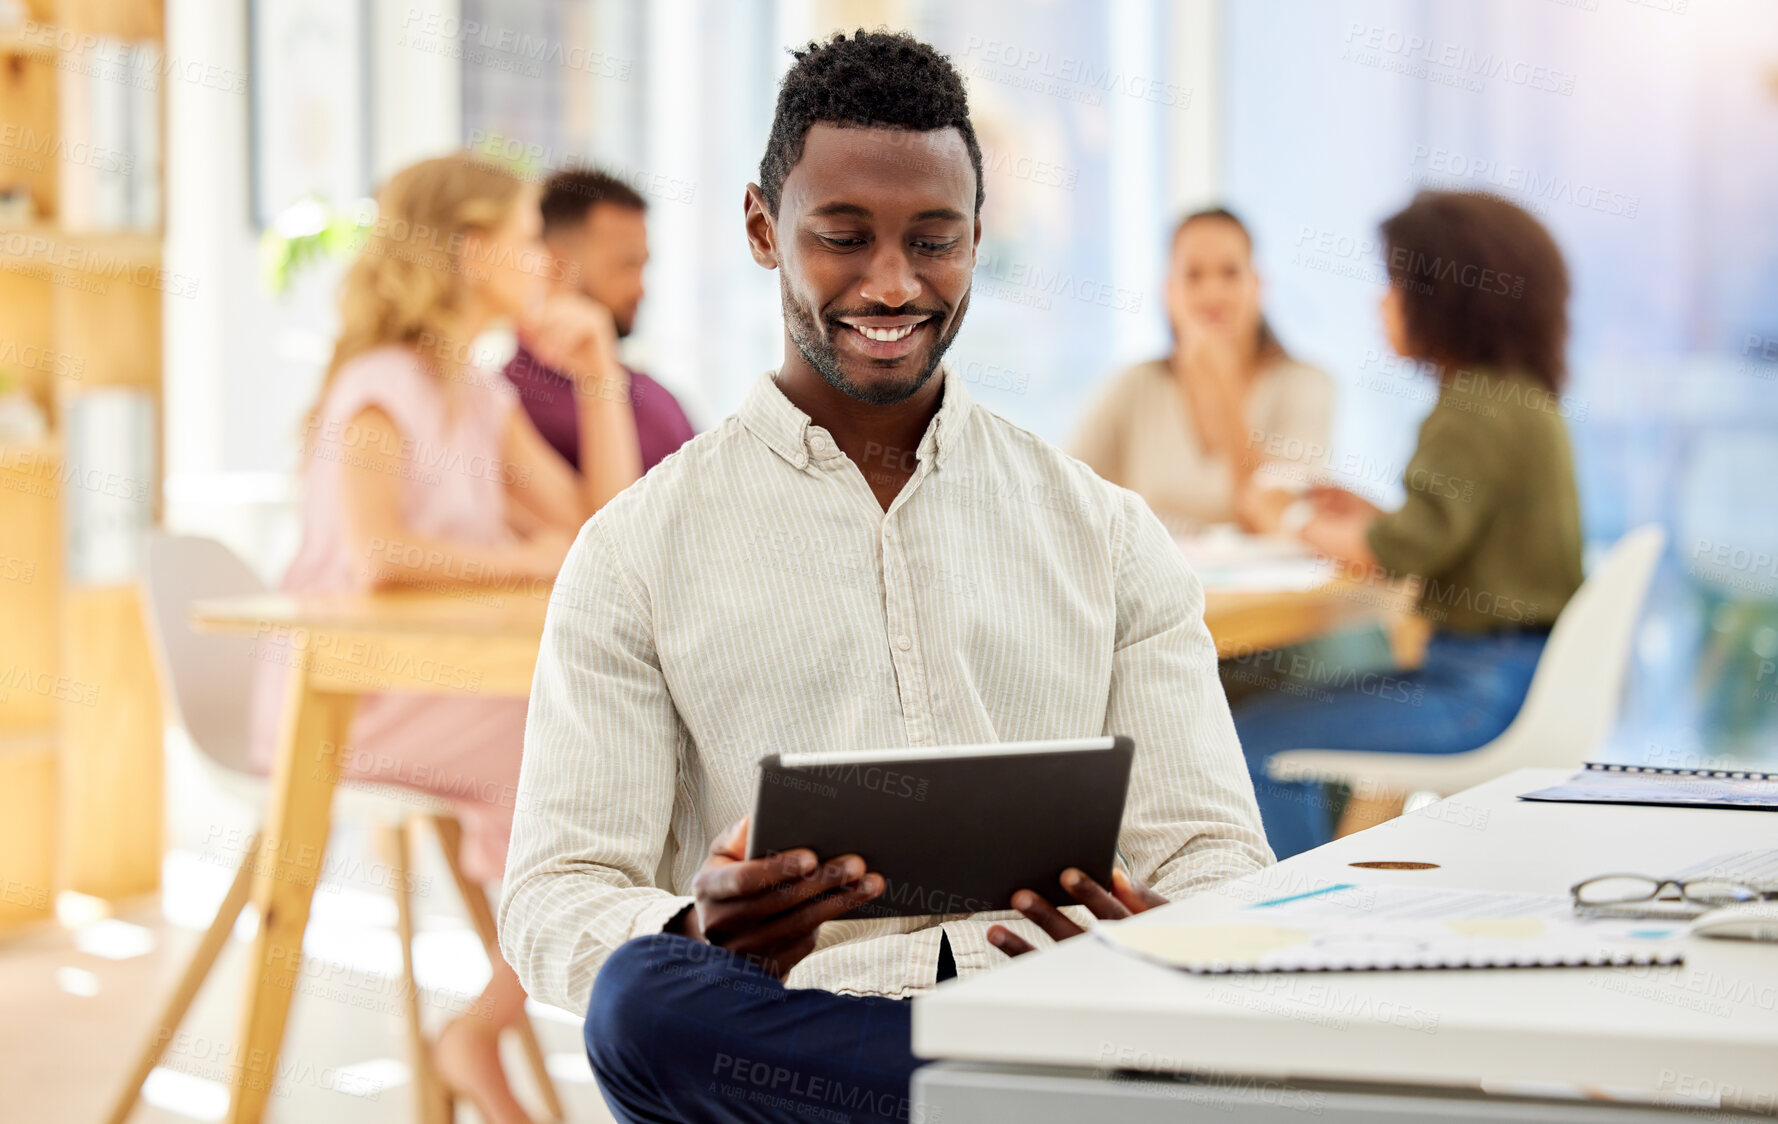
<point x="1726" y="774"/>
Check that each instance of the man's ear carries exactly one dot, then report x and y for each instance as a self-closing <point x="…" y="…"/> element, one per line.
<point x="762" y="228"/>
<point x="975" y="241"/>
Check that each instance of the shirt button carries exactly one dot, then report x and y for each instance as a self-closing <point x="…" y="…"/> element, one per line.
<point x="903" y="643"/>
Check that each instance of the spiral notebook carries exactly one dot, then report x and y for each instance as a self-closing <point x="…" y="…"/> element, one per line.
<point x="1600" y="783"/>
<point x="1347" y="928"/>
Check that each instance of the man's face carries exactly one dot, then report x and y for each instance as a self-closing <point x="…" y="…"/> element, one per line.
<point x="874" y="241"/>
<point x="607" y="252"/>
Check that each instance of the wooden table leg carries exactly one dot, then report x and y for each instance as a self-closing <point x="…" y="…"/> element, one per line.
<point x="221" y="928"/>
<point x="292" y="844"/>
<point x="431" y="1103"/>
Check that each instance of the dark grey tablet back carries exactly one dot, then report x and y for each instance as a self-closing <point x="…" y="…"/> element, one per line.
<point x="953" y="834"/>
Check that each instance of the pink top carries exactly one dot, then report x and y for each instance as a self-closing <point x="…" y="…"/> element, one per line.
<point x="453" y="474"/>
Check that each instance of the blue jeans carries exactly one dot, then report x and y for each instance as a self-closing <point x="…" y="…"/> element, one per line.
<point x="1464" y="694"/>
<point x="679" y="1031"/>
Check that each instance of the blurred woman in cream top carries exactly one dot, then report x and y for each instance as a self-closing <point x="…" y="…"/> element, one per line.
<point x="1219" y="430"/>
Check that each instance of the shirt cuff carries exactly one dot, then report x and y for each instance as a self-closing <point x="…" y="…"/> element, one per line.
<point x="653" y="917"/>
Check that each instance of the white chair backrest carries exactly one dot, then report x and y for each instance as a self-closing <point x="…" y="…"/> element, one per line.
<point x="1574" y="695"/>
<point x="207" y="677"/>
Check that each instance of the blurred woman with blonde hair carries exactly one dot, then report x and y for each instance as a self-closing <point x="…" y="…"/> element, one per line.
<point x="422" y="473"/>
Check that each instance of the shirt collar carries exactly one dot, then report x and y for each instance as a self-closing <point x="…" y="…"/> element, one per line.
<point x="794" y="436"/>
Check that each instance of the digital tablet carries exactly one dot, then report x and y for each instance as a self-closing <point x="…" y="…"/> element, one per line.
<point x="952" y="829"/>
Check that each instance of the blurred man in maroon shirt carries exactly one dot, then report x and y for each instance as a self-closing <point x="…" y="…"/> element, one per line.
<point x="594" y="223"/>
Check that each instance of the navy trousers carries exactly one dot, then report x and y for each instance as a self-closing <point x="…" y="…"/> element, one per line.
<point x="680" y="1032"/>
<point x="1465" y="693"/>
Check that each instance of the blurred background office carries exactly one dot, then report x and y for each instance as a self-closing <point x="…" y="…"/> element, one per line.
<point x="1638" y="132"/>
<point x="1642" y="133"/>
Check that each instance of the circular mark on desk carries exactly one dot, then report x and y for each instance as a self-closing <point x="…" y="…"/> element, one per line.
<point x="1396" y="866"/>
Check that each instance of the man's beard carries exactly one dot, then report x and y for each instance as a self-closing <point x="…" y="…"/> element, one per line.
<point x="818" y="350"/>
<point x="623" y="325"/>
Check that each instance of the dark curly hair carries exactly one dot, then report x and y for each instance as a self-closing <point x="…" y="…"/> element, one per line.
<point x="1482" y="283"/>
<point x="868" y="79"/>
<point x="571" y="193"/>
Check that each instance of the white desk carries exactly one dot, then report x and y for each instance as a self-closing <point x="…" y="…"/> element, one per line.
<point x="1082" y="1010"/>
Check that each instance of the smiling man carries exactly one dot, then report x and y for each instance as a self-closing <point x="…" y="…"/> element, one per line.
<point x="860" y="558"/>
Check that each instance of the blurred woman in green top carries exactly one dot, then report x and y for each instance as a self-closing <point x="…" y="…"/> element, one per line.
<point x="1490" y="527"/>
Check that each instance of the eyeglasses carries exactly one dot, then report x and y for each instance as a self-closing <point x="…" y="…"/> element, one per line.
<point x="1608" y="890"/>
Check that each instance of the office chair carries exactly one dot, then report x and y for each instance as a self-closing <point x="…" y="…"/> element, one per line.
<point x="1567" y="713"/>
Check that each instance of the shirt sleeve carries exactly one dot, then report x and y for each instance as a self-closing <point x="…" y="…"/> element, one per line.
<point x="1452" y="490"/>
<point x="596" y="786"/>
<point x="389" y="379"/>
<point x="1190" y="820"/>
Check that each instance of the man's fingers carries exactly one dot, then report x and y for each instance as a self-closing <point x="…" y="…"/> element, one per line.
<point x="1046" y="916"/>
<point x="810" y="916"/>
<point x="829" y="875"/>
<point x="1008" y="941"/>
<point x="723" y="878"/>
<point x="1134" y="894"/>
<point x="732" y="843"/>
<point x="790" y="894"/>
<point x="750" y="917"/>
<point x="1094" y="896"/>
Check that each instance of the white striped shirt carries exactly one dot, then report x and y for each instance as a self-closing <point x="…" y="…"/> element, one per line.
<point x="751" y="596"/>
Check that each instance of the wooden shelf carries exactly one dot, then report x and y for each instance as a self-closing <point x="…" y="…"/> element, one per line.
<point x="27" y="740"/>
<point x="80" y="722"/>
<point x="109" y="765"/>
<point x="28" y="811"/>
<point x="37" y="41"/>
<point x="126" y="19"/>
<point x="50" y="445"/>
<point x="31" y="512"/>
<point x="45" y="39"/>
<point x="142" y="246"/>
<point x="30" y="114"/>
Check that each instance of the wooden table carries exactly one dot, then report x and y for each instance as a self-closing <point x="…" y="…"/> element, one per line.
<point x="480" y="645"/>
<point x="1243" y="623"/>
<point x="344" y="646"/>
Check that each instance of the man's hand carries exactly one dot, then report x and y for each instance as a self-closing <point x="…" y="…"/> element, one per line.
<point x="769" y="910"/>
<point x="1126" y="898"/>
<point x="574" y="333"/>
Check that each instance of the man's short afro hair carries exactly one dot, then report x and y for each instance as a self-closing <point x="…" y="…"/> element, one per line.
<point x="870" y="78"/>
